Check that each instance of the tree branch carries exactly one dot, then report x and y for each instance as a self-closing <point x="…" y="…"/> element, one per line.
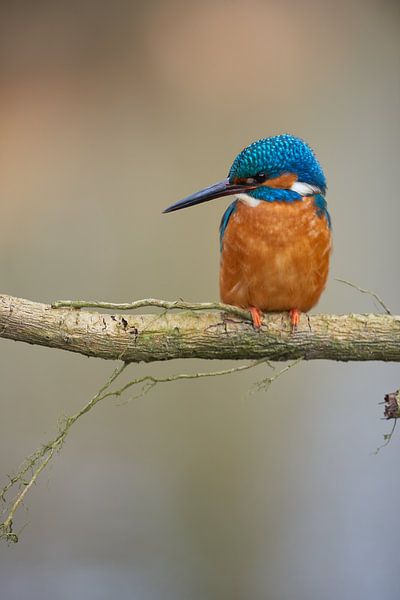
<point x="224" y="333"/>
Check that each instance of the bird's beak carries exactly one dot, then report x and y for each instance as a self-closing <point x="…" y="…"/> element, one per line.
<point x="222" y="188"/>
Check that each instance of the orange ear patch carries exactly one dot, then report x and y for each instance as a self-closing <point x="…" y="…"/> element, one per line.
<point x="284" y="181"/>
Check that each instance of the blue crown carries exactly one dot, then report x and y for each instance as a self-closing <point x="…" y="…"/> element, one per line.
<point x="277" y="155"/>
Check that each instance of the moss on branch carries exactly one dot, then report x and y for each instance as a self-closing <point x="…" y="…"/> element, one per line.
<point x="208" y="330"/>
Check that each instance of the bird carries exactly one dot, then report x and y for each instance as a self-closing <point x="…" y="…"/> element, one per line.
<point x="276" y="235"/>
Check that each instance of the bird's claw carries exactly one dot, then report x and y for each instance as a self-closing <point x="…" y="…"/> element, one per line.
<point x="294" y="314"/>
<point x="256" y="317"/>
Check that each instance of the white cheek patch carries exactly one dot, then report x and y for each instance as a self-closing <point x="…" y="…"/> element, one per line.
<point x="249" y="200"/>
<point x="305" y="189"/>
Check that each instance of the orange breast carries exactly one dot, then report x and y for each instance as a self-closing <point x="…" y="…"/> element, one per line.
<point x="275" y="256"/>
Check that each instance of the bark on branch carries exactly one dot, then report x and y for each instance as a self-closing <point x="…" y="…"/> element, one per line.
<point x="193" y="333"/>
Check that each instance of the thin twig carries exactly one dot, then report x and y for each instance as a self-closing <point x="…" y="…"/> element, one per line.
<point x="166" y="304"/>
<point x="40" y="459"/>
<point x="387" y="437"/>
<point x="266" y="382"/>
<point x="150" y="381"/>
<point x="364" y="291"/>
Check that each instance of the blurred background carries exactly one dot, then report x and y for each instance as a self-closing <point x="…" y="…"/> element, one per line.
<point x="110" y="112"/>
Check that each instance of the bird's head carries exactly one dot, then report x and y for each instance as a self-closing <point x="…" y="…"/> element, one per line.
<point x="279" y="168"/>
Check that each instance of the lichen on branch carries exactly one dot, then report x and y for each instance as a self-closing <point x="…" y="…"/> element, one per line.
<point x="198" y="330"/>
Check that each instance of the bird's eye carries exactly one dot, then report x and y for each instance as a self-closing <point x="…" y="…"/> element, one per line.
<point x="259" y="178"/>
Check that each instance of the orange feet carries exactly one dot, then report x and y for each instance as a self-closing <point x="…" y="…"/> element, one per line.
<point x="256" y="316"/>
<point x="294" y="314"/>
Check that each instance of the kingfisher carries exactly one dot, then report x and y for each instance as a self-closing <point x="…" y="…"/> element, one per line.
<point x="275" y="237"/>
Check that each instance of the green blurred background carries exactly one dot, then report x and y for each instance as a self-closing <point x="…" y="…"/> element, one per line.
<point x="110" y="112"/>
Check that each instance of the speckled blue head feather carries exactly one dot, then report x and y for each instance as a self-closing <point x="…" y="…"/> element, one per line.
<point x="277" y="155"/>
